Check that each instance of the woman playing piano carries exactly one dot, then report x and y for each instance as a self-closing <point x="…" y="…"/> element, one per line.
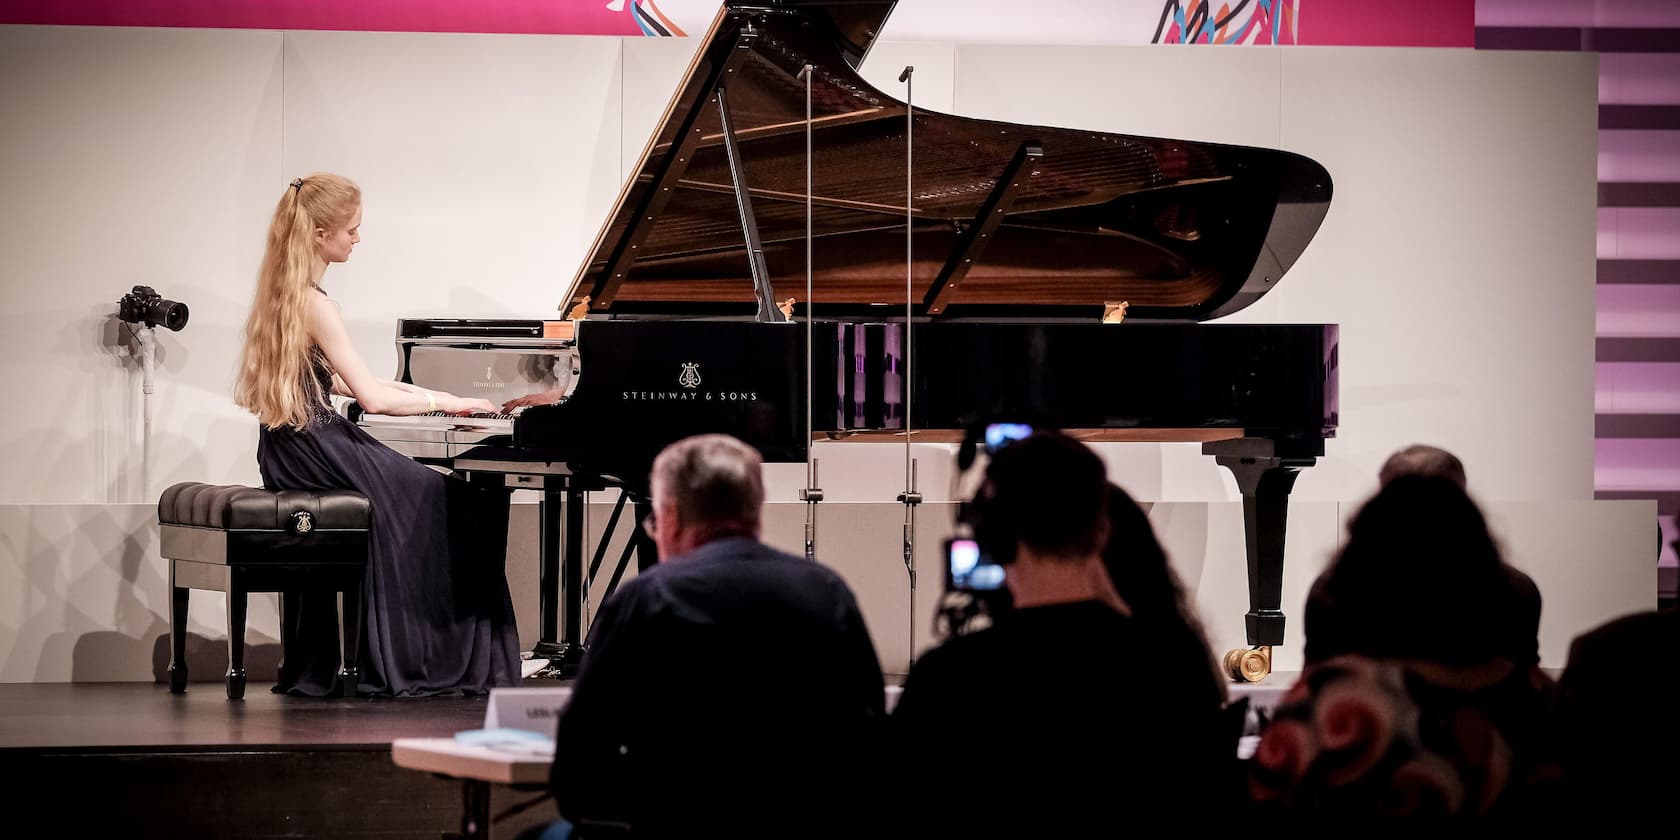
<point x="439" y="619"/>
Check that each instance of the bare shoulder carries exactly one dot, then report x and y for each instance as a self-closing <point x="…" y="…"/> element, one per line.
<point x="321" y="306"/>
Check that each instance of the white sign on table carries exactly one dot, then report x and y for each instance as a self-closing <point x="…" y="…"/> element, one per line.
<point x="529" y="709"/>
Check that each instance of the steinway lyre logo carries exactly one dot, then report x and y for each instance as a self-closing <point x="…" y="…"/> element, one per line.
<point x="489" y="381"/>
<point x="690" y="376"/>
<point x="302" y="522"/>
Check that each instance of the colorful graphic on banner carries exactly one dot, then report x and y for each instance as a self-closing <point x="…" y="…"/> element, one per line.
<point x="534" y="17"/>
<point x="647" y="17"/>
<point x="1256" y="22"/>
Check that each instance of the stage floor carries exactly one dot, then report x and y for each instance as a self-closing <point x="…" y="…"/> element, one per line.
<point x="73" y="716"/>
<point x="199" y="765"/>
<point x="145" y="716"/>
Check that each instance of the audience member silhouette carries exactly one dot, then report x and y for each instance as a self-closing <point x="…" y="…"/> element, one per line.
<point x="730" y="690"/>
<point x="1509" y="608"/>
<point x="1421" y="693"/>
<point x="1423" y="459"/>
<point x="1137" y="566"/>
<point x="1061" y="716"/>
<point x="1617" y="732"/>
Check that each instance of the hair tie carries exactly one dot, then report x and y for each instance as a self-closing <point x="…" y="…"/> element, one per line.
<point x="297" y="184"/>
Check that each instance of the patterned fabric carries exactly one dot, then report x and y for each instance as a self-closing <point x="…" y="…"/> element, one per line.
<point x="1377" y="736"/>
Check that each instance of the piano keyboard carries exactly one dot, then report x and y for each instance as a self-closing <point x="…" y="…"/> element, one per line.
<point x="437" y="436"/>
<point x="497" y="423"/>
<point x="476" y="415"/>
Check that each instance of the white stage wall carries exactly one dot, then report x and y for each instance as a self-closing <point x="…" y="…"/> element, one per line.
<point x="1457" y="256"/>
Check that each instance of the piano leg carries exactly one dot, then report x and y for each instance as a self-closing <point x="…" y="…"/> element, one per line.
<point x="561" y="575"/>
<point x="647" y="554"/>
<point x="1265" y="479"/>
<point x="571" y="583"/>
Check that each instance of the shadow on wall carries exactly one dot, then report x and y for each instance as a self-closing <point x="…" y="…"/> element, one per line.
<point x="207" y="658"/>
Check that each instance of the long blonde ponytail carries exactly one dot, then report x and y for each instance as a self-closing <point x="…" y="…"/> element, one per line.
<point x="276" y="382"/>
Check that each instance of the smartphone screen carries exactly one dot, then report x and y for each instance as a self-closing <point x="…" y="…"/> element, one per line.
<point x="998" y="434"/>
<point x="968" y="568"/>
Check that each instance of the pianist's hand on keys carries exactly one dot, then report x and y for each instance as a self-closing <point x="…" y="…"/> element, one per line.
<point x="540" y="398"/>
<point x="451" y="404"/>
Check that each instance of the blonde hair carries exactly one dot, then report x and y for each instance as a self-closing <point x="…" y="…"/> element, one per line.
<point x="276" y="382"/>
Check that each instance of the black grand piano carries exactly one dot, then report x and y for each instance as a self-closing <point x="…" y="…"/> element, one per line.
<point x="961" y="271"/>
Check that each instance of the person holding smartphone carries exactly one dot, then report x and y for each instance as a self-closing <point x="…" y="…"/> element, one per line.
<point x="1060" y="700"/>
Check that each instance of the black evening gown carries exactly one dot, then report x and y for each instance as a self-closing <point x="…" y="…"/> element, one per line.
<point x="439" y="618"/>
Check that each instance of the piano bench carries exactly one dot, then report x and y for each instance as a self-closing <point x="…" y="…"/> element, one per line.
<point x="240" y="540"/>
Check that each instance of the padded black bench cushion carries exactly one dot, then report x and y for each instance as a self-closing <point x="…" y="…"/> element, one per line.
<point x="236" y="507"/>
<point x="239" y="540"/>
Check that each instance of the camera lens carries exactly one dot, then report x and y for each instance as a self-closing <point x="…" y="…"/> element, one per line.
<point x="167" y="313"/>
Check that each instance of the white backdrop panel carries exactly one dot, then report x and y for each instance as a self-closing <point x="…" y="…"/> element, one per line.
<point x="129" y="156"/>
<point x="485" y="161"/>
<point x="1457" y="255"/>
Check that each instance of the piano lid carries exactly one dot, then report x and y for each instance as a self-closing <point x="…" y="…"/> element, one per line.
<point x="1010" y="221"/>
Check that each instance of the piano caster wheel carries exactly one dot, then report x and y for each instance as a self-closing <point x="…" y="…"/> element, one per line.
<point x="177" y="679"/>
<point x="1249" y="664"/>
<point x="236" y="686"/>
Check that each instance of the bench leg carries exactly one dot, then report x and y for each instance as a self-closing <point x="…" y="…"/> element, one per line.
<point x="236" y="603"/>
<point x="177" y="634"/>
<point x="350" y="609"/>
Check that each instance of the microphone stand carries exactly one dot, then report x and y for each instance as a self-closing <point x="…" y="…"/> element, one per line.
<point x="909" y="497"/>
<point x="811" y="494"/>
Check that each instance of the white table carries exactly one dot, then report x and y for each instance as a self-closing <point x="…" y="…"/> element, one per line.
<point x="477" y="767"/>
<point x="480" y="767"/>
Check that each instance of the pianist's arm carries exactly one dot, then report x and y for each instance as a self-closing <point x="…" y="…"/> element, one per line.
<point x="339" y="388"/>
<point x="352" y="378"/>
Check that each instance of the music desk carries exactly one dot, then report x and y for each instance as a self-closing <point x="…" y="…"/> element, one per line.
<point x="477" y="767"/>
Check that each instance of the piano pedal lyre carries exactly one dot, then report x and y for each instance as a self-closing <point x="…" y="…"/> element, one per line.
<point x="1249" y="664"/>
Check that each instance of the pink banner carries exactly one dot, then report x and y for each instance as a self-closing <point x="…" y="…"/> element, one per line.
<point x="1389" y="23"/>
<point x="549" y="17"/>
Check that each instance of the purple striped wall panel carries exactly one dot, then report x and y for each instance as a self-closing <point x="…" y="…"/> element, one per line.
<point x="1638" y="156"/>
<point x="1639" y="233"/>
<point x="1639" y="79"/>
<point x="1534" y="12"/>
<point x="1640" y="13"/>
<point x="1643" y="13"/>
<point x="1636" y="464"/>
<point x="1636" y="388"/>
<point x="1639" y="311"/>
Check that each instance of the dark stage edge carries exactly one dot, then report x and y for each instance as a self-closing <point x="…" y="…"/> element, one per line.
<point x="134" y="760"/>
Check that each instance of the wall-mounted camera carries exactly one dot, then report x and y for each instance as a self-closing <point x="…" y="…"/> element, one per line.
<point x="144" y="305"/>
